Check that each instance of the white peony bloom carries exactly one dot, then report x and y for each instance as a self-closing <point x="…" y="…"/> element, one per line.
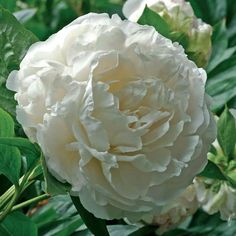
<point x="176" y="212"/>
<point x="119" y="112"/>
<point x="180" y="17"/>
<point x="215" y="195"/>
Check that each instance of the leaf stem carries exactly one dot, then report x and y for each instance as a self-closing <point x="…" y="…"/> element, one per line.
<point x="95" y="225"/>
<point x="19" y="188"/>
<point x="11" y="203"/>
<point x="30" y="201"/>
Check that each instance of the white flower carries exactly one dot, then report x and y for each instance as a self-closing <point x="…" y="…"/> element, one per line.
<point x="216" y="195"/>
<point x="176" y="212"/>
<point x="180" y="17"/>
<point x="119" y="112"/>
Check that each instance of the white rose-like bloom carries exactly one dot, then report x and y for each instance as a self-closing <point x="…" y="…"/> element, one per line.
<point x="119" y="112"/>
<point x="215" y="195"/>
<point x="180" y="17"/>
<point x="176" y="212"/>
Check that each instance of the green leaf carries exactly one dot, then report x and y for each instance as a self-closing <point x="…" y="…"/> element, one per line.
<point x="221" y="83"/>
<point x="202" y="224"/>
<point x="7" y="101"/>
<point x="14" y="42"/>
<point x="4" y="231"/>
<point x="52" y="185"/>
<point x="8" y="4"/>
<point x="124" y="230"/>
<point x="101" y="6"/>
<point x="145" y="231"/>
<point x="28" y="149"/>
<point x="224" y="229"/>
<point x="152" y="18"/>
<point x="212" y="171"/>
<point x="210" y="11"/>
<point x="196" y="8"/>
<point x="219" y="46"/>
<point x="6" y="124"/>
<point x="95" y="225"/>
<point x="66" y="227"/>
<point x="58" y="217"/>
<point x="17" y="224"/>
<point x="10" y="158"/>
<point x="226" y="133"/>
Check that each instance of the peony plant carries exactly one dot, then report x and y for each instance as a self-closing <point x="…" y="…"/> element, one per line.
<point x="110" y="102"/>
<point x="106" y="126"/>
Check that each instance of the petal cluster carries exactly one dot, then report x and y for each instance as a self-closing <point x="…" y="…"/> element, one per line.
<point x="176" y="212"/>
<point x="119" y="111"/>
<point x="216" y="196"/>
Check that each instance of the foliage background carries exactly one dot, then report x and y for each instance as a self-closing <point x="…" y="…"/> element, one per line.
<point x="57" y="215"/>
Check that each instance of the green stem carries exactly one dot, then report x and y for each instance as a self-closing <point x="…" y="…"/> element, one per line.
<point x="30" y="201"/>
<point x="27" y="175"/>
<point x="7" y="196"/>
<point x="19" y="188"/>
<point x="11" y="204"/>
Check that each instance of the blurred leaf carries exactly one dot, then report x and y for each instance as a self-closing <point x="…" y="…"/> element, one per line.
<point x="202" y="223"/>
<point x="52" y="185"/>
<point x="219" y="46"/>
<point x="151" y="18"/>
<point x="84" y="232"/>
<point x="144" y="231"/>
<point x="65" y="227"/>
<point x="197" y="8"/>
<point x="224" y="229"/>
<point x="86" y="6"/>
<point x="58" y="207"/>
<point x="17" y="224"/>
<point x="210" y="11"/>
<point x="221" y="56"/>
<point x="232" y="103"/>
<point x="24" y="15"/>
<point x="4" y="231"/>
<point x="212" y="171"/>
<point x="77" y="5"/>
<point x="6" y="125"/>
<point x="95" y="225"/>
<point x="62" y="14"/>
<point x="10" y="158"/>
<point x="38" y="28"/>
<point x="231" y="21"/>
<point x="28" y="149"/>
<point x="57" y="217"/>
<point x="226" y="133"/>
<point x="221" y="83"/>
<point x="205" y="225"/>
<point x="14" y="42"/>
<point x="102" y="6"/>
<point x="8" y="4"/>
<point x="7" y="101"/>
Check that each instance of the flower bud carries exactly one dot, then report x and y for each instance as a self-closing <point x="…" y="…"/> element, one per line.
<point x="181" y="19"/>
